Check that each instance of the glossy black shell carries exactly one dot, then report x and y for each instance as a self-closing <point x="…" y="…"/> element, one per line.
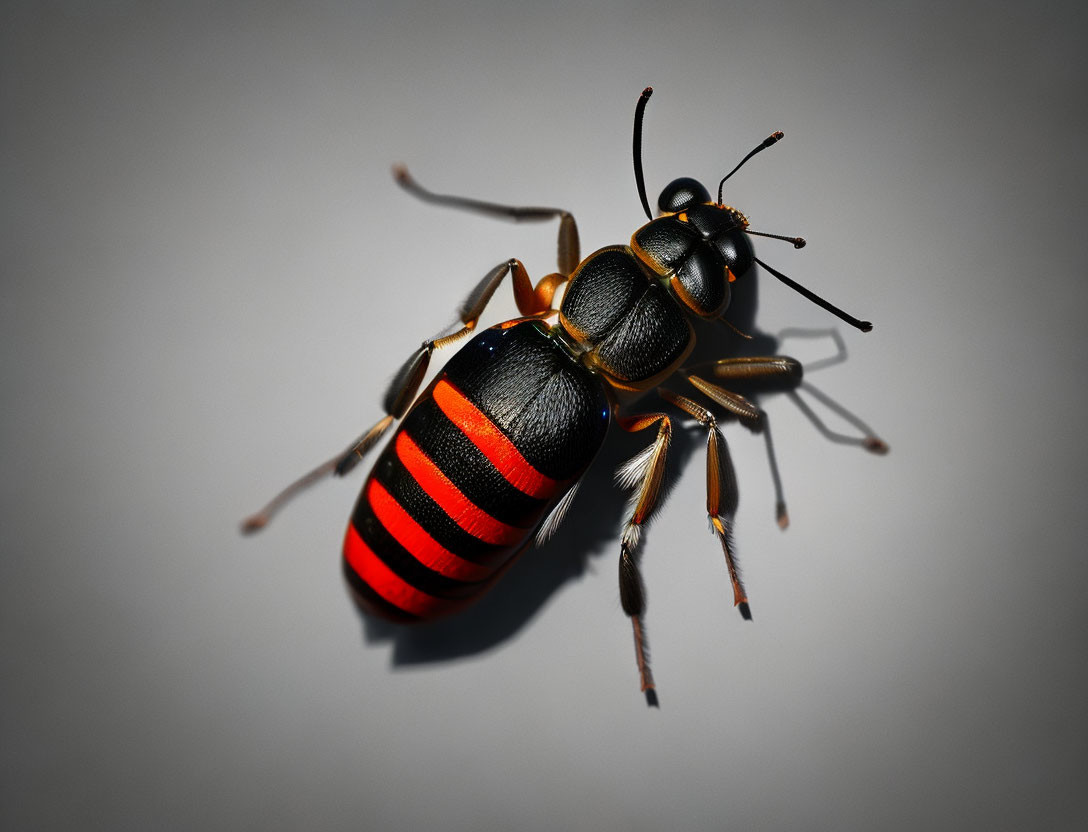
<point x="701" y="249"/>
<point x="682" y="193"/>
<point x="531" y="396"/>
<point x="628" y="323"/>
<point x="551" y="408"/>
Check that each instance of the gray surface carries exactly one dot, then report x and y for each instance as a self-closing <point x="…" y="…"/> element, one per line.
<point x="209" y="275"/>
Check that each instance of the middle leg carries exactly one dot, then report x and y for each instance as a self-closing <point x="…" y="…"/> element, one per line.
<point x="721" y="490"/>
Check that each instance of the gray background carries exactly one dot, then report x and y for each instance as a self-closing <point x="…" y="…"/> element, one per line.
<point x="208" y="277"/>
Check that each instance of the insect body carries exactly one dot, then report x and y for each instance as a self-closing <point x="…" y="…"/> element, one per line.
<point x="488" y="457"/>
<point x="505" y="431"/>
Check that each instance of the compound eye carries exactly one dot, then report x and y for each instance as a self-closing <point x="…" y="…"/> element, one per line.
<point x="681" y="194"/>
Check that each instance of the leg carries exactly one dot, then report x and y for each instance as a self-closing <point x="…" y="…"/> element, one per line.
<point x="721" y="490"/>
<point x="746" y="412"/>
<point x="569" y="248"/>
<point x="775" y="371"/>
<point x="530" y="301"/>
<point x="782" y="373"/>
<point x="643" y="475"/>
<point x="402" y="390"/>
<point x="398" y="397"/>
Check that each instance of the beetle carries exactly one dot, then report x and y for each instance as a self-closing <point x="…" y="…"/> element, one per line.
<point x="488" y="457"/>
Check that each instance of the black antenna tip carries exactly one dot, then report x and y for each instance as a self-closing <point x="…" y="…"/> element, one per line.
<point x="651" y="695"/>
<point x="745" y="611"/>
<point x="865" y="326"/>
<point x="646" y="93"/>
<point x="776" y="136"/>
<point x="797" y="242"/>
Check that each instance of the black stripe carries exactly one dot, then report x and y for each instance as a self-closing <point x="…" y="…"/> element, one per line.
<point x="370" y="600"/>
<point x="553" y="410"/>
<point x="466" y="466"/>
<point x="403" y="562"/>
<point x="391" y="473"/>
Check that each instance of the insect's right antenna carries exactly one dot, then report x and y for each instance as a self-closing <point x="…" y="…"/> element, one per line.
<point x="798" y="242"/>
<point x="776" y="136"/>
<point x="864" y="326"/>
<point x="640" y="181"/>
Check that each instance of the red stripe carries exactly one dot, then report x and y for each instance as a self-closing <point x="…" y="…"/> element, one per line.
<point x="501" y="452"/>
<point x="388" y="584"/>
<point x="413" y="537"/>
<point x="449" y="497"/>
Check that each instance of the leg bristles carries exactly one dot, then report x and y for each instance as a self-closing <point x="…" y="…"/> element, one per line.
<point x="740" y="597"/>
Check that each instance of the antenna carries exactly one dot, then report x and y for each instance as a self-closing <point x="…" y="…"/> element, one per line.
<point x="798" y="242"/>
<point x="636" y="148"/>
<point x="864" y="326"/>
<point x="767" y="142"/>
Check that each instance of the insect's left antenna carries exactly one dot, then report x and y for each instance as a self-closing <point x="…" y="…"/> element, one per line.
<point x="640" y="180"/>
<point x="798" y="242"/>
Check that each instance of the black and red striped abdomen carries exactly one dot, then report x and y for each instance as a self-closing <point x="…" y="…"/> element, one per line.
<point x="487" y="450"/>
